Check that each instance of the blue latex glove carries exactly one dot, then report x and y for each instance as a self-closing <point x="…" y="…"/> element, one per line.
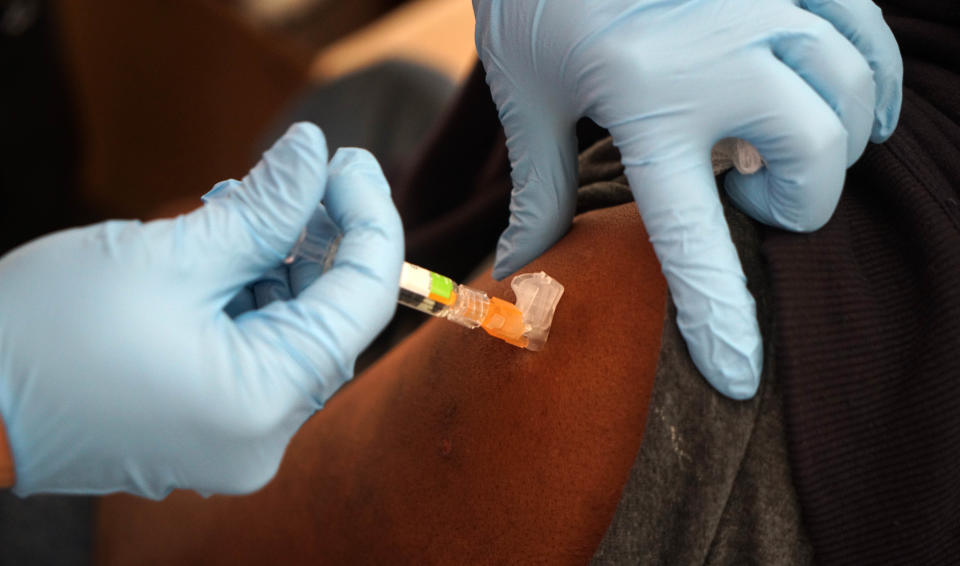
<point x="807" y="84"/>
<point x="120" y="370"/>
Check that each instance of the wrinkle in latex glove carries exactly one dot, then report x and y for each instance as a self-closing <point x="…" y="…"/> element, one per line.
<point x="806" y="83"/>
<point x="120" y="370"/>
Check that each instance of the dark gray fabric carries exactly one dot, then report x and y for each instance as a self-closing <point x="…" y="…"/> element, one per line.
<point x="711" y="484"/>
<point x="54" y="530"/>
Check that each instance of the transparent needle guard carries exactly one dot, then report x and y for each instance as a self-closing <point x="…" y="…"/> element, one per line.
<point x="537" y="297"/>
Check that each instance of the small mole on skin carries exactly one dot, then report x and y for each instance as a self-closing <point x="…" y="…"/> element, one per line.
<point x="446" y="447"/>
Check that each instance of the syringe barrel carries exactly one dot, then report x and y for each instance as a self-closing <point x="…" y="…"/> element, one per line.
<point x="420" y="288"/>
<point x="440" y="296"/>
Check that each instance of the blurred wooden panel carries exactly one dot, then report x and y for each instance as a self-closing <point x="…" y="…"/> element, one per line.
<point x="313" y="24"/>
<point x="436" y="33"/>
<point x="171" y="96"/>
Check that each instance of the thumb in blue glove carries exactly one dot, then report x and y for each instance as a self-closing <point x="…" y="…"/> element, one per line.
<point x="808" y="85"/>
<point x="120" y="370"/>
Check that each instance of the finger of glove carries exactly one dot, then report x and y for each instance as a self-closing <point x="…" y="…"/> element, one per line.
<point x="249" y="227"/>
<point x="862" y="23"/>
<point x="543" y="159"/>
<point x="804" y="148"/>
<point x="836" y="70"/>
<point x="681" y="210"/>
<point x="320" y="333"/>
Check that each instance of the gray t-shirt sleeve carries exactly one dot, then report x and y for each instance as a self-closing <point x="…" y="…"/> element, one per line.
<point x="711" y="483"/>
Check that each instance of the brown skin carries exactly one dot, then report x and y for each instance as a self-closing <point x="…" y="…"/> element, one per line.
<point x="455" y="448"/>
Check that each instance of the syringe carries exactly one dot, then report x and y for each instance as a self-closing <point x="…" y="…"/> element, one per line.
<point x="439" y="296"/>
<point x="525" y="324"/>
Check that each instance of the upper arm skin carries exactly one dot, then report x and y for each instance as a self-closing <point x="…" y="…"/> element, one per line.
<point x="455" y="448"/>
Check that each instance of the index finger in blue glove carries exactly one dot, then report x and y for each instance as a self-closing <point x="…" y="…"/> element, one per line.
<point x="716" y="314"/>
<point x="249" y="227"/>
<point x="861" y="21"/>
<point x="543" y="158"/>
<point x="320" y="333"/>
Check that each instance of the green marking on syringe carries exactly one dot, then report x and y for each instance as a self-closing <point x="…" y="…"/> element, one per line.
<point x="440" y="286"/>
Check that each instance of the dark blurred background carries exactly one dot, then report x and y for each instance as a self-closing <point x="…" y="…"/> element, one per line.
<point x="119" y="108"/>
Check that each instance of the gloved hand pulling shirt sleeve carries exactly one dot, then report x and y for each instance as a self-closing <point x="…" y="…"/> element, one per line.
<point x="808" y="83"/>
<point x="120" y="370"/>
